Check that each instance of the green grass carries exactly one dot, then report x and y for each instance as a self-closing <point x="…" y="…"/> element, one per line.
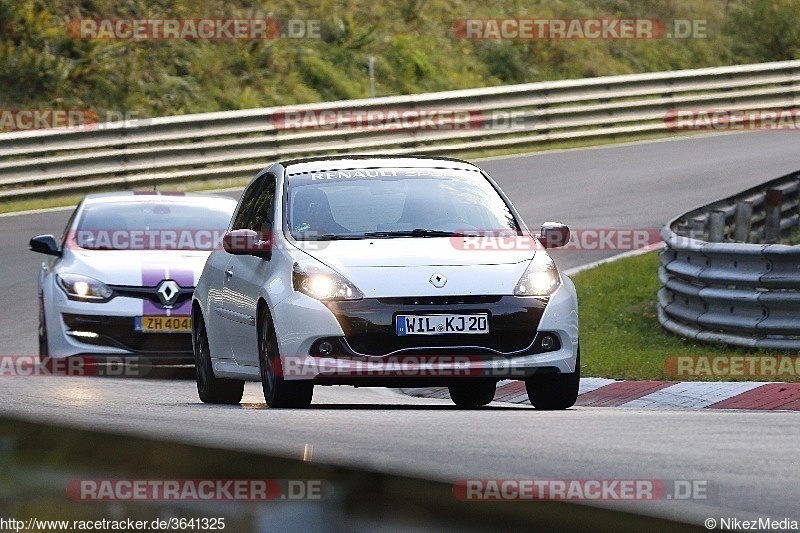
<point x="415" y="50"/>
<point x="621" y="337"/>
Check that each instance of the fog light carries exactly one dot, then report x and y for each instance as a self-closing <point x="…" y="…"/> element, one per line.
<point x="325" y="348"/>
<point x="548" y="342"/>
<point x="84" y="334"/>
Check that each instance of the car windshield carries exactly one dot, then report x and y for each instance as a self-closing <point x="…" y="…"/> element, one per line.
<point x="152" y="225"/>
<point x="368" y="203"/>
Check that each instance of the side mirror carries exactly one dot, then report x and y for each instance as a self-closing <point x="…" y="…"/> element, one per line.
<point x="246" y="242"/>
<point x="45" y="244"/>
<point x="554" y="235"/>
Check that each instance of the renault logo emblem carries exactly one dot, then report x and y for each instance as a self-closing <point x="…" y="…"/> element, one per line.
<point x="438" y="280"/>
<point x="168" y="292"/>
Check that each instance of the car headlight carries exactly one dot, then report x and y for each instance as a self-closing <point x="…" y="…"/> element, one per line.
<point x="80" y="287"/>
<point x="540" y="279"/>
<point x="322" y="283"/>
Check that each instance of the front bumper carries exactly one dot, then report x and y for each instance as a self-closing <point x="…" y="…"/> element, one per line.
<point x="108" y="329"/>
<point x="118" y="332"/>
<point x="367" y="352"/>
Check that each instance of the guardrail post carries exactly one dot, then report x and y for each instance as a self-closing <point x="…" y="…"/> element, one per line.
<point x="772" y="222"/>
<point x="697" y="227"/>
<point x="716" y="226"/>
<point x="744" y="217"/>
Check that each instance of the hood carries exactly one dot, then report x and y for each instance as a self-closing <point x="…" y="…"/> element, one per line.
<point x="136" y="268"/>
<point x="409" y="252"/>
<point x="397" y="267"/>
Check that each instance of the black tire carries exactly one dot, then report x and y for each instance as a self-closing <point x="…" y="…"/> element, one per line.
<point x="278" y="392"/>
<point x="210" y="388"/>
<point x="551" y="392"/>
<point x="44" y="348"/>
<point x="473" y="392"/>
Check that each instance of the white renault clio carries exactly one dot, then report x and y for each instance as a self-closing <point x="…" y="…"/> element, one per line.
<point x="383" y="271"/>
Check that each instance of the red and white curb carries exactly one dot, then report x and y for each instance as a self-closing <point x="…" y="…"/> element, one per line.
<point x="601" y="392"/>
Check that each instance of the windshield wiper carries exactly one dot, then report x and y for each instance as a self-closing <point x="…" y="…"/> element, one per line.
<point x="335" y="237"/>
<point x="327" y="237"/>
<point x="416" y="232"/>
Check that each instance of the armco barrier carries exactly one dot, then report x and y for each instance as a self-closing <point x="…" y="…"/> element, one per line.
<point x="40" y="461"/>
<point x="236" y="144"/>
<point x="743" y="289"/>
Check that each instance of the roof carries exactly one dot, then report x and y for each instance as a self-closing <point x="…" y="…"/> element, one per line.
<point x="346" y="162"/>
<point x="165" y="196"/>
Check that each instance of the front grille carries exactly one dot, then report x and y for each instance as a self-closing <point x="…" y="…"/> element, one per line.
<point x="440" y="300"/>
<point x="369" y="325"/>
<point x="149" y="293"/>
<point x="118" y="332"/>
<point x="381" y="344"/>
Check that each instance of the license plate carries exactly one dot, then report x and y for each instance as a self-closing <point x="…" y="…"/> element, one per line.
<point x="163" y="324"/>
<point x="441" y="324"/>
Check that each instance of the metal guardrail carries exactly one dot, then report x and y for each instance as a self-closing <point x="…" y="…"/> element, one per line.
<point x="235" y="144"/>
<point x="743" y="288"/>
<point x="40" y="461"/>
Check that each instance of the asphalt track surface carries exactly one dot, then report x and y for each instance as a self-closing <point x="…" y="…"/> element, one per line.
<point x="748" y="460"/>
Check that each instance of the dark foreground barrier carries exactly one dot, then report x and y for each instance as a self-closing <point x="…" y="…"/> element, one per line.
<point x="57" y="473"/>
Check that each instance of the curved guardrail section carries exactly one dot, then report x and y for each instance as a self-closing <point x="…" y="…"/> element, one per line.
<point x="236" y="144"/>
<point x="725" y="276"/>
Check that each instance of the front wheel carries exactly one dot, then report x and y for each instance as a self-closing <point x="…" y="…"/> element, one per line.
<point x="550" y="392"/>
<point x="278" y="391"/>
<point x="210" y="388"/>
<point x="44" y="349"/>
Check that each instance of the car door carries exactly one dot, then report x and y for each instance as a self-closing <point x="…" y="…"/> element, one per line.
<point x="246" y="274"/>
<point x="223" y="316"/>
